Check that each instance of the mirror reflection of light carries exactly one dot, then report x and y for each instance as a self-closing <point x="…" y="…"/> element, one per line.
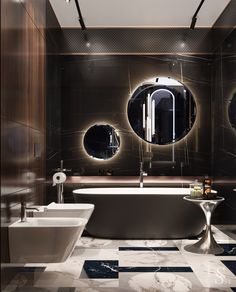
<point x="149" y="114"/>
<point x="163" y="81"/>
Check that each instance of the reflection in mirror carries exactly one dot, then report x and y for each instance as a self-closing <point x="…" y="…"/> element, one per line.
<point x="232" y="111"/>
<point x="161" y="111"/>
<point x="101" y="142"/>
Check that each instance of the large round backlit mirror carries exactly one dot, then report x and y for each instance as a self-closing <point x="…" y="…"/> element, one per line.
<point x="232" y="111"/>
<point x="161" y="111"/>
<point x="101" y="142"/>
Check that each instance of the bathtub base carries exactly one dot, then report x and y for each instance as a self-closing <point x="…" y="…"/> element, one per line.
<point x="142" y="216"/>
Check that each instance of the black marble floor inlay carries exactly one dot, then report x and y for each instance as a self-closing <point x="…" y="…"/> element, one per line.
<point x="145" y="248"/>
<point x="155" y="269"/>
<point x="231" y="265"/>
<point x="100" y="270"/>
<point x="66" y="289"/>
<point x="38" y="289"/>
<point x="26" y="269"/>
<point x="229" y="249"/>
<point x="110" y="269"/>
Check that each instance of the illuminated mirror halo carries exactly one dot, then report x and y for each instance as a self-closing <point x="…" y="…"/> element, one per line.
<point x="101" y="141"/>
<point x="232" y="111"/>
<point x="161" y="111"/>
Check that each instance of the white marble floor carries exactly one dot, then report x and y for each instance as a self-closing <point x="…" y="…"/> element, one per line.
<point x="135" y="265"/>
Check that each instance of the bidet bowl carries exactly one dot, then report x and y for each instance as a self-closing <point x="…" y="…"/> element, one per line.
<point x="66" y="210"/>
<point x="44" y="240"/>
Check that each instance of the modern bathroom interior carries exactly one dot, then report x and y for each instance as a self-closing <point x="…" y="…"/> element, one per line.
<point x="118" y="145"/>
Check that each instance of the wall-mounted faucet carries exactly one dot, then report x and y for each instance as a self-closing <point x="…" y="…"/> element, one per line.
<point x="23" y="213"/>
<point x="142" y="173"/>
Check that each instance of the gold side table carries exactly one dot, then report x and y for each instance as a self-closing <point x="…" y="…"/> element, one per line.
<point x="207" y="244"/>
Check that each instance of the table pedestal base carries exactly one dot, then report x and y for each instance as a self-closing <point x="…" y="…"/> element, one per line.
<point x="206" y="245"/>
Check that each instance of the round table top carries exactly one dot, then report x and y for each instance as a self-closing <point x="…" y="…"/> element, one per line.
<point x="217" y="199"/>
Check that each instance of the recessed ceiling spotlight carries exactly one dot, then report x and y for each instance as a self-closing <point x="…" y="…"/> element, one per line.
<point x="67" y="1"/>
<point x="86" y="39"/>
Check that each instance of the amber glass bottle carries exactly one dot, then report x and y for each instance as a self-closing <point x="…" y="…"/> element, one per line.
<point x="207" y="182"/>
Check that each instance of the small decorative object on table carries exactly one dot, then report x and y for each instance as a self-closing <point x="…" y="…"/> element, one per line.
<point x="196" y="189"/>
<point x="208" y="194"/>
<point x="203" y="190"/>
<point x="207" y="244"/>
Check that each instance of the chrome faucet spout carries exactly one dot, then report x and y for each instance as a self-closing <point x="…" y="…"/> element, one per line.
<point x="141" y="175"/>
<point x="23" y="213"/>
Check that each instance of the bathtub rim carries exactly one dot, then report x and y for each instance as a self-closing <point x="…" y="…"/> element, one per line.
<point x="133" y="191"/>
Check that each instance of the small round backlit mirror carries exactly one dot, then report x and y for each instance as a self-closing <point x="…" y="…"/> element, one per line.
<point x="101" y="142"/>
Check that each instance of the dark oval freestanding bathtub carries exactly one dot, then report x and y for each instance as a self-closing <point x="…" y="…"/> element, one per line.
<point x="141" y="213"/>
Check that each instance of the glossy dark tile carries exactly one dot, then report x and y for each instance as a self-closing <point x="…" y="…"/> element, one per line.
<point x="155" y="269"/>
<point x="159" y="248"/>
<point x="231" y="265"/>
<point x="100" y="269"/>
<point x="229" y="249"/>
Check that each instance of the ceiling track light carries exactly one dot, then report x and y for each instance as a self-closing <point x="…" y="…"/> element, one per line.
<point x="81" y="20"/>
<point x="194" y="18"/>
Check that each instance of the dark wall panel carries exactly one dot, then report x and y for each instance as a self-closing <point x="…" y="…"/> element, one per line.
<point x="96" y="89"/>
<point x="23" y="76"/>
<point x="53" y="94"/>
<point x="224" y="88"/>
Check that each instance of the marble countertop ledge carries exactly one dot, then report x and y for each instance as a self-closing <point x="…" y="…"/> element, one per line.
<point x="129" y="180"/>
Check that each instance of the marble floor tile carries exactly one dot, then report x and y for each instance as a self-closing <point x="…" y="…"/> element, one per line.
<point x="70" y="269"/>
<point x="100" y="270"/>
<point x="81" y="253"/>
<point x="144" y="282"/>
<point x="152" y="258"/>
<point x="107" y="265"/>
<point x="54" y="279"/>
<point x="221" y="236"/>
<point x="211" y="272"/>
<point x="231" y="232"/>
<point x="149" y="243"/>
<point x="97" y="289"/>
<point x="90" y="242"/>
